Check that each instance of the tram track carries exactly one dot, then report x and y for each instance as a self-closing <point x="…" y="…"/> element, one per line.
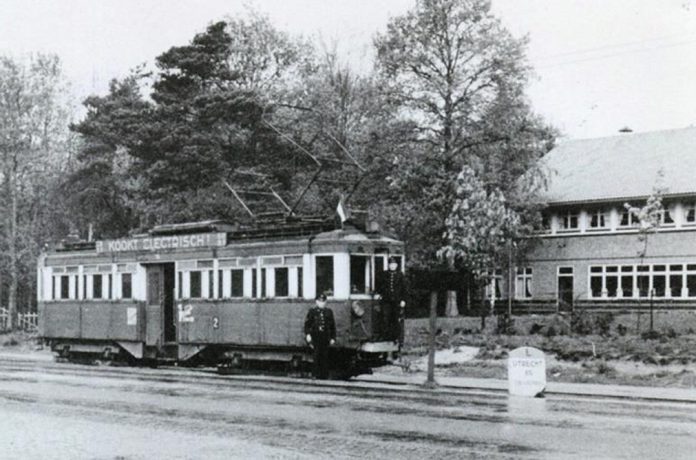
<point x="208" y="377"/>
<point x="368" y="417"/>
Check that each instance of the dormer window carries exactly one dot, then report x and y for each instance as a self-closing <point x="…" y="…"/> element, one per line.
<point x="690" y="214"/>
<point x="628" y="219"/>
<point x="545" y="223"/>
<point x="598" y="219"/>
<point x="666" y="217"/>
<point x="569" y="221"/>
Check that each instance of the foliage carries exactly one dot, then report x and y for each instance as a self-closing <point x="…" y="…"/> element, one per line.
<point x="455" y="77"/>
<point x="649" y="216"/>
<point x="35" y="148"/>
<point x="168" y="156"/>
<point x="479" y="225"/>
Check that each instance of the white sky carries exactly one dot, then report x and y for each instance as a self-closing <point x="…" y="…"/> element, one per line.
<point x="600" y="64"/>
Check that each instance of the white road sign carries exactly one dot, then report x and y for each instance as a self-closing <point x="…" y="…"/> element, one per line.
<point x="526" y="371"/>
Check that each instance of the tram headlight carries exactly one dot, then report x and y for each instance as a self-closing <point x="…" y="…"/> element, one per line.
<point x="357" y="309"/>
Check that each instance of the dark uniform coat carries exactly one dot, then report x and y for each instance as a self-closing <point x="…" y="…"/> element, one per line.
<point x="391" y="287"/>
<point x="321" y="327"/>
<point x="320" y="324"/>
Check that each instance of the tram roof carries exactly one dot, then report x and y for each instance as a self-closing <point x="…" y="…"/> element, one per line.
<point x="314" y="229"/>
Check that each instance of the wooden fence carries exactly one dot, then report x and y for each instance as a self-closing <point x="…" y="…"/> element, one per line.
<point x="26" y="321"/>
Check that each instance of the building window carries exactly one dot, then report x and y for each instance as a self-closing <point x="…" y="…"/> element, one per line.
<point x="569" y="221"/>
<point x="666" y="217"/>
<point x="523" y="283"/>
<point x="643" y="281"/>
<point x="324" y="275"/>
<point x="282" y="276"/>
<point x="493" y="291"/>
<point x="628" y="219"/>
<point x="690" y="214"/>
<point x="611" y="281"/>
<point x="598" y="219"/>
<point x="545" y="223"/>
<point x="627" y="275"/>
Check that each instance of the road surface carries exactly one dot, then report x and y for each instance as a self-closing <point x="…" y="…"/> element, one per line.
<point x="54" y="410"/>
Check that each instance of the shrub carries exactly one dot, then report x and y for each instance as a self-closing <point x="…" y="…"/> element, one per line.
<point x="602" y="323"/>
<point x="580" y="323"/>
<point x="650" y="335"/>
<point x="621" y="329"/>
<point x="505" y="325"/>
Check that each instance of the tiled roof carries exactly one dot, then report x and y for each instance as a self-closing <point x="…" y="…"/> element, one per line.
<point x="622" y="166"/>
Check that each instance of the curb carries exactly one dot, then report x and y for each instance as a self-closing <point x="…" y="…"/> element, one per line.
<point x="675" y="395"/>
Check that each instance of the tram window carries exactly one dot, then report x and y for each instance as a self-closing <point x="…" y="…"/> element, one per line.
<point x="237" y="277"/>
<point x="111" y="287"/>
<point x="181" y="285"/>
<point x="359" y="274"/>
<point x="264" y="292"/>
<point x="379" y="264"/>
<point x="281" y="281"/>
<point x="325" y="274"/>
<point x="299" y="282"/>
<point x="195" y="283"/>
<point x="64" y="287"/>
<point x="211" y="285"/>
<point x="219" y="289"/>
<point x="84" y="286"/>
<point x="254" y="290"/>
<point x="96" y="286"/>
<point x="126" y="286"/>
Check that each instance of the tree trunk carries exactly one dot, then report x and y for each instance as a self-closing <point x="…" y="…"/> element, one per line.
<point x="12" y="294"/>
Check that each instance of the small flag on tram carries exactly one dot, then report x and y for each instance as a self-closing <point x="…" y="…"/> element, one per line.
<point x="342" y="210"/>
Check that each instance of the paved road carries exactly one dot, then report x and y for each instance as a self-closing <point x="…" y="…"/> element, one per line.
<point x="50" y="410"/>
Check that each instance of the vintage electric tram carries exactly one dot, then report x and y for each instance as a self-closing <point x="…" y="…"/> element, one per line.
<point x="218" y="293"/>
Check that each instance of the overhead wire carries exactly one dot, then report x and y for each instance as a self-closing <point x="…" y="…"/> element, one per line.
<point x="612" y="55"/>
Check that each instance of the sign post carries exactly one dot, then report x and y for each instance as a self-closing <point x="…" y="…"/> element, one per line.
<point x="430" y="383"/>
<point x="526" y="372"/>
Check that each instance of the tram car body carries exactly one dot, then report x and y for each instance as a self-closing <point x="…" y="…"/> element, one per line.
<point x="212" y="292"/>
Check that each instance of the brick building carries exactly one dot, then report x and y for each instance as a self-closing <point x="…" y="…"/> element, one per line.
<point x="591" y="253"/>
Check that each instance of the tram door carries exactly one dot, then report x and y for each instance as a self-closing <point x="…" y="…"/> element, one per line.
<point x="160" y="295"/>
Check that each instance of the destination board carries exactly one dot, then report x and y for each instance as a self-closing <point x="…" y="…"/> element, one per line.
<point x="163" y="243"/>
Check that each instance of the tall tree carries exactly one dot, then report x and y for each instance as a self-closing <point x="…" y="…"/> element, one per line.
<point x="204" y="122"/>
<point x="34" y="147"/>
<point x="457" y="76"/>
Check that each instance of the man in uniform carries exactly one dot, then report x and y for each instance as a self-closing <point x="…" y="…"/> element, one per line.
<point x="320" y="333"/>
<point x="392" y="289"/>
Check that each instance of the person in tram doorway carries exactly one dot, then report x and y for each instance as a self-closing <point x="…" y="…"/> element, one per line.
<point x="392" y="289"/>
<point x="320" y="334"/>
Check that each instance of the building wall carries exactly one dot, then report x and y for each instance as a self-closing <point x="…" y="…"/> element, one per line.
<point x="580" y="251"/>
